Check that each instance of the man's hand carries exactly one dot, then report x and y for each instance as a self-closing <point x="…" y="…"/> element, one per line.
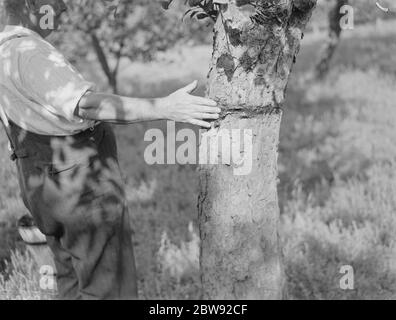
<point x="181" y="106"/>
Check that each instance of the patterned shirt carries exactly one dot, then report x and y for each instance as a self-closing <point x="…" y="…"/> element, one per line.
<point x="39" y="88"/>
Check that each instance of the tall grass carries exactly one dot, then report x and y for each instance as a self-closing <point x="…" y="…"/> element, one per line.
<point x="21" y="280"/>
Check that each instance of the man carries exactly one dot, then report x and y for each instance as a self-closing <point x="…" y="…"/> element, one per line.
<point x="66" y="154"/>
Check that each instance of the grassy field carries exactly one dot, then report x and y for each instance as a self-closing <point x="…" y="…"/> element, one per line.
<point x="337" y="181"/>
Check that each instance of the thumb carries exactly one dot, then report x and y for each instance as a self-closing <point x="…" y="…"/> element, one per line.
<point x="191" y="87"/>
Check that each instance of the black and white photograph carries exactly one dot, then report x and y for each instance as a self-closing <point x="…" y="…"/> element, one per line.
<point x="202" y="152"/>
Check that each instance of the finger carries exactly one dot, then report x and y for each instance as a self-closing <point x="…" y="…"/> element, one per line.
<point x="206" y="116"/>
<point x="200" y="123"/>
<point x="203" y="101"/>
<point x="191" y="87"/>
<point x="206" y="109"/>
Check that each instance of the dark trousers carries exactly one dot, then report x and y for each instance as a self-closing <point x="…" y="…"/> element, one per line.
<point x="74" y="190"/>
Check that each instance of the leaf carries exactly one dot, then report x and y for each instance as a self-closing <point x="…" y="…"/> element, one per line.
<point x="189" y="11"/>
<point x="194" y="3"/>
<point x="201" y="16"/>
<point x="193" y="14"/>
<point x="166" y="3"/>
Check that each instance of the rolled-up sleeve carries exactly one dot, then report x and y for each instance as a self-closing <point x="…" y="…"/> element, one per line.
<point x="51" y="81"/>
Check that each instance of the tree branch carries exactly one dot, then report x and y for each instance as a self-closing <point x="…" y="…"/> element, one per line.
<point x="103" y="61"/>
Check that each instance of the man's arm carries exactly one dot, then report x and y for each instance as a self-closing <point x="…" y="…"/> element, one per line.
<point x="180" y="106"/>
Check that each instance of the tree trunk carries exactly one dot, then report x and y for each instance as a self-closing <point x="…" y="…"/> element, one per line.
<point x="239" y="215"/>
<point x="323" y="66"/>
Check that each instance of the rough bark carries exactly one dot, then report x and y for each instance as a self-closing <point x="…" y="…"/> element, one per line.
<point x="330" y="47"/>
<point x="239" y="215"/>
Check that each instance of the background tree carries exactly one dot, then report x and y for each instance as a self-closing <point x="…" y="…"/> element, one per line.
<point x="255" y="45"/>
<point x="364" y="11"/>
<point x="334" y="18"/>
<point x="113" y="30"/>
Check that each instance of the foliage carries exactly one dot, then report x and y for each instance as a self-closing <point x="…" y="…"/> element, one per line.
<point x="134" y="29"/>
<point x="201" y="9"/>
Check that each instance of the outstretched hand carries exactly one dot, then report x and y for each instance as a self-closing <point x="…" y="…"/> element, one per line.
<point x="181" y="106"/>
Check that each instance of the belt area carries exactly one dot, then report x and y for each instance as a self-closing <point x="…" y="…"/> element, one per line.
<point x="21" y="153"/>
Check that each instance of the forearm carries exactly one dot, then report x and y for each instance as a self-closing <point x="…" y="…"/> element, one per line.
<point x="118" y="109"/>
<point x="179" y="106"/>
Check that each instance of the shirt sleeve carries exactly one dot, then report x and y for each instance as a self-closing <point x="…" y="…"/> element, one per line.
<point x="51" y="81"/>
